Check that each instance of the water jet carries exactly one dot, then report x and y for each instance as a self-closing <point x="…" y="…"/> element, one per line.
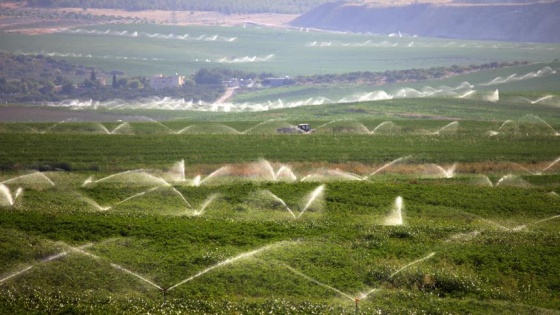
<point x="313" y="196"/>
<point x="33" y="178"/>
<point x="222" y="170"/>
<point x="137" y="195"/>
<point x="278" y="199"/>
<point x="6" y="197"/>
<point x="451" y="127"/>
<point x="390" y="164"/>
<point x="136" y="275"/>
<point x="447" y="173"/>
<point x="177" y="172"/>
<point x="226" y="262"/>
<point x="430" y="255"/>
<point x="395" y="217"/>
<point x="205" y="204"/>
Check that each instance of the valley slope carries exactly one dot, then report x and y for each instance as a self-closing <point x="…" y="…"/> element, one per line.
<point x="532" y="22"/>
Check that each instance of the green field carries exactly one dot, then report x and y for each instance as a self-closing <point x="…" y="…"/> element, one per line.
<point x="133" y="244"/>
<point x="415" y="204"/>
<point x="425" y="216"/>
<point x="539" y="81"/>
<point x="151" y="49"/>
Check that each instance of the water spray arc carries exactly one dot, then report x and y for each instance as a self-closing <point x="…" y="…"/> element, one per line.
<point x="127" y="176"/>
<point x="390" y="164"/>
<point x="198" y="180"/>
<point x="30" y="178"/>
<point x="446" y="172"/>
<point x="361" y="296"/>
<point x="42" y="261"/>
<point x="281" y="201"/>
<point x="205" y="204"/>
<point x="313" y="196"/>
<point x="227" y="262"/>
<point x="451" y="127"/>
<point x="137" y="276"/>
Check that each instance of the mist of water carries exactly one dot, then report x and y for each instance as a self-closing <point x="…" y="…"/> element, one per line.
<point x="395" y="217"/>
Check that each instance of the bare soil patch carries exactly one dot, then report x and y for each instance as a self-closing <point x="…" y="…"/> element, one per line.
<point x="33" y="25"/>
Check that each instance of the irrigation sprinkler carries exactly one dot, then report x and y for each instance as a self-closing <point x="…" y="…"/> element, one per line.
<point x="357" y="300"/>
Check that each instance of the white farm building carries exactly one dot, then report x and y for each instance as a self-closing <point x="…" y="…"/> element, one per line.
<point x="162" y="82"/>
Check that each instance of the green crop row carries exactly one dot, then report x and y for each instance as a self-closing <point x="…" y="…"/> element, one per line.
<point x="136" y="151"/>
<point x="460" y="248"/>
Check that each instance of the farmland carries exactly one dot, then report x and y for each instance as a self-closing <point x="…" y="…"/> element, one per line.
<point x="140" y="49"/>
<point x="423" y="203"/>
<point x="478" y="247"/>
<point x="201" y="223"/>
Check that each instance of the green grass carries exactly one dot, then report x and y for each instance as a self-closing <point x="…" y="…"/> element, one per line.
<point x="531" y="87"/>
<point x="341" y="244"/>
<point x="123" y="152"/>
<point x="494" y="244"/>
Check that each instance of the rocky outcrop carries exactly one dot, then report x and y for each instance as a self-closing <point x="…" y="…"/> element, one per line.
<point x="529" y="22"/>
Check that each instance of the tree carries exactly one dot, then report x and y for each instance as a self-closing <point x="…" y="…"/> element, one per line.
<point x="89" y="84"/>
<point x="122" y="83"/>
<point x="68" y="88"/>
<point x="205" y="76"/>
<point x="135" y="84"/>
<point x="47" y="88"/>
<point x="92" y="76"/>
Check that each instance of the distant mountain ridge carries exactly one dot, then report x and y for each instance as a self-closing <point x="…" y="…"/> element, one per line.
<point x="522" y="22"/>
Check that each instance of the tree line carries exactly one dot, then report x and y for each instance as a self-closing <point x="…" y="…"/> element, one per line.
<point x="393" y="76"/>
<point x="39" y="78"/>
<point x="44" y="79"/>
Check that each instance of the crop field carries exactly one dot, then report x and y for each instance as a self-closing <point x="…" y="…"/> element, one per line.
<point x="150" y="49"/>
<point x="527" y="82"/>
<point x="438" y="197"/>
<point x="258" y="238"/>
<point x="369" y="217"/>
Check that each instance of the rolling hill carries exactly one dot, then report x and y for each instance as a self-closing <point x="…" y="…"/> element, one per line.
<point x="522" y="22"/>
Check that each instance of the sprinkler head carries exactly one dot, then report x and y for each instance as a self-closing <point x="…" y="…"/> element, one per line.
<point x="357" y="300"/>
